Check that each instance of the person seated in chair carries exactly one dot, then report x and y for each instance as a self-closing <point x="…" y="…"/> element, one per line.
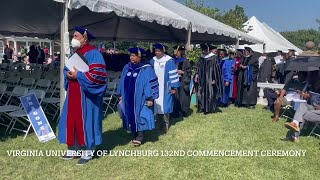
<point x="299" y="84"/>
<point x="309" y="111"/>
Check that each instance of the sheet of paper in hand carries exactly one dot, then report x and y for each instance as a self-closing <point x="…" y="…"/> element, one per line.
<point x="77" y="61"/>
<point x="315" y="98"/>
<point x="278" y="60"/>
<point x="292" y="96"/>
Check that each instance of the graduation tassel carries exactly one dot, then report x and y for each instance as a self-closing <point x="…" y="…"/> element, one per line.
<point x="178" y="48"/>
<point x="85" y="35"/>
<point x="139" y="52"/>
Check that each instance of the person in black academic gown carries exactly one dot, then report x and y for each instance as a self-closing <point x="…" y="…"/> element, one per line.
<point x="208" y="80"/>
<point x="183" y="97"/>
<point x="265" y="70"/>
<point x="289" y="74"/>
<point x="280" y="67"/>
<point x="247" y="80"/>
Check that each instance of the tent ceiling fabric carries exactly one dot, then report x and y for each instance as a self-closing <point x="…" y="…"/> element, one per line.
<point x="167" y="13"/>
<point x="125" y="20"/>
<point x="39" y="18"/>
<point x="273" y="40"/>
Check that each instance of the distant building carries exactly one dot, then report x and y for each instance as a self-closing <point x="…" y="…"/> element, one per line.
<point x="17" y="42"/>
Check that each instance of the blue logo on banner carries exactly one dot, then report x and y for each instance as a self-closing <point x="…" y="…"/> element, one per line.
<point x="37" y="118"/>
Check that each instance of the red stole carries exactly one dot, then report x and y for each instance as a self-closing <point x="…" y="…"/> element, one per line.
<point x="235" y="78"/>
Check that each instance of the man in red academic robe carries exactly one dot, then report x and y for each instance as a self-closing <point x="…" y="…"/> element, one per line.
<point x="80" y="126"/>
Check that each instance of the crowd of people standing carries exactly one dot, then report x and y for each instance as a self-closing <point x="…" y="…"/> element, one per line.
<point x="35" y="54"/>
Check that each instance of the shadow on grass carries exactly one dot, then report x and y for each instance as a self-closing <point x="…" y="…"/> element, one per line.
<point x="113" y="138"/>
<point x="153" y="136"/>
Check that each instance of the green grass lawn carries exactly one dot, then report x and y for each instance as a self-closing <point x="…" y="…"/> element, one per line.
<point x="233" y="129"/>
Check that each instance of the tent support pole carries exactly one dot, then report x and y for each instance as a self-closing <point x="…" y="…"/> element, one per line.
<point x="64" y="28"/>
<point x="238" y="42"/>
<point x="188" y="43"/>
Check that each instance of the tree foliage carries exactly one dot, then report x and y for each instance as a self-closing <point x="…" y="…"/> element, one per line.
<point x="234" y="17"/>
<point x="318" y="21"/>
<point x="300" y="37"/>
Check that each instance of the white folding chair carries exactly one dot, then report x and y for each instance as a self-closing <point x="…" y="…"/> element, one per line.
<point x="21" y="115"/>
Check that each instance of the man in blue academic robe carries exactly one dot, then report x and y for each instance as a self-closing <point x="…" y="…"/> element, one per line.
<point x="137" y="90"/>
<point x="168" y="78"/>
<point x="227" y="78"/>
<point x="80" y="126"/>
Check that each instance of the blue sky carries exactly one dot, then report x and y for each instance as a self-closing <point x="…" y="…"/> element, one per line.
<point x="281" y="15"/>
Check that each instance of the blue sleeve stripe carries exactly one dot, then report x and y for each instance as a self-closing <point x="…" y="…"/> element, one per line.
<point x="175" y="80"/>
<point x="174" y="76"/>
<point x="173" y="71"/>
<point x="153" y="80"/>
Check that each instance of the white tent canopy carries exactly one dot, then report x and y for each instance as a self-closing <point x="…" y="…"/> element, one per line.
<point x="273" y="40"/>
<point x="125" y="20"/>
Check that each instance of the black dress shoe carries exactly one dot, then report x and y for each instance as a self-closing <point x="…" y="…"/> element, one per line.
<point x="66" y="157"/>
<point x="184" y="114"/>
<point x="83" y="161"/>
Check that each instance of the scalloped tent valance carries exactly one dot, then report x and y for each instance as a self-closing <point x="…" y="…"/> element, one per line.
<point x="125" y="20"/>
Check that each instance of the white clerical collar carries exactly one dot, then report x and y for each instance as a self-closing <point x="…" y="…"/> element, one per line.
<point x="208" y="55"/>
<point x="165" y="58"/>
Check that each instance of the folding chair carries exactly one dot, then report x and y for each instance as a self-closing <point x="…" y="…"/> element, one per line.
<point x="3" y="88"/>
<point x="28" y="82"/>
<point x="110" y="94"/>
<point x="25" y="73"/>
<point x="4" y="66"/>
<point x="314" y="129"/>
<point x="36" y="74"/>
<point x="116" y="80"/>
<point x="12" y="81"/>
<point x="43" y="84"/>
<point x="13" y="102"/>
<point x="23" y="66"/>
<point x="289" y="109"/>
<point x="12" y="73"/>
<point x="52" y="103"/>
<point x="33" y="66"/>
<point x="21" y="115"/>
